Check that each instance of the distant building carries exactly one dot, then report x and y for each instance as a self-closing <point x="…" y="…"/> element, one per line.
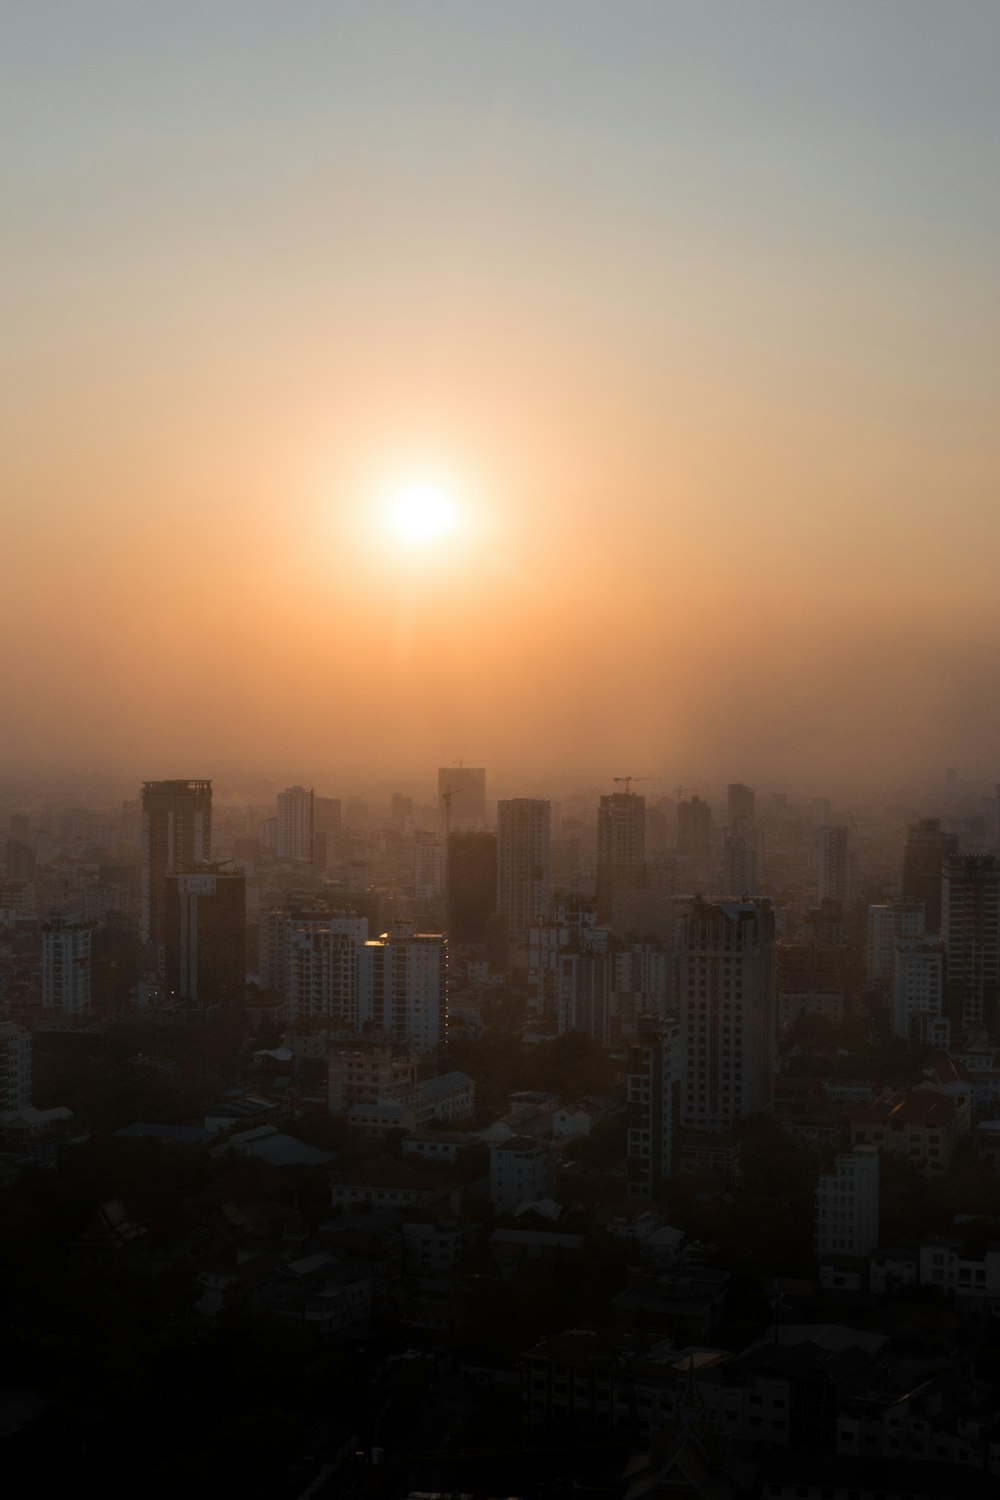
<point x="726" y="991"/>
<point x="521" y="1171"/>
<point x="847" y="1205"/>
<point x="621" y="849"/>
<point x="294" y="824"/>
<point x="917" y="986"/>
<point x="833" y="864"/>
<point x="176" y="835"/>
<point x="428" y="866"/>
<point x="656" y="1062"/>
<point x="402" y="986"/>
<point x="739" y="804"/>
<point x="471" y="876"/>
<point x="888" y="921"/>
<point x="205" y="936"/>
<point x="67" y="962"/>
<point x="740" y="872"/>
<point x="462" y="797"/>
<point x="694" y="827"/>
<point x="970" y="926"/>
<point x="523" y="861"/>
<point x="15" y="1066"/>
<point x="927" y="848"/>
<point x="812" y="980"/>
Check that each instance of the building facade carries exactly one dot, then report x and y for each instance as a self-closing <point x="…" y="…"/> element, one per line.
<point x="176" y="835"/>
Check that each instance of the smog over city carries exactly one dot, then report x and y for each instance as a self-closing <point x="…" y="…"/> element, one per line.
<point x="500" y="749"/>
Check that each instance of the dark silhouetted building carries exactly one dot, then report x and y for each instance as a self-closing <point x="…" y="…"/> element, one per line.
<point x="523" y="862"/>
<point x="621" y="849"/>
<point x="927" y="848"/>
<point x="739" y="803"/>
<point x="205" y="936"/>
<point x="726" y="990"/>
<point x="462" y="797"/>
<point x="176" y="835"/>
<point x="970" y="926"/>
<point x="656" y="1063"/>
<point x="472" y="886"/>
<point x="694" y="827"/>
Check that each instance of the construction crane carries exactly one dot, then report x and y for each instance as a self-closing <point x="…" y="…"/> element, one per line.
<point x="628" y="780"/>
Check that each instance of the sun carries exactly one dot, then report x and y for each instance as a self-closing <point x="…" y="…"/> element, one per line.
<point x="421" y="514"/>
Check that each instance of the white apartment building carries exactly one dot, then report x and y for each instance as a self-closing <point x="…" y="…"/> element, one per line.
<point x="917" y="985"/>
<point x="847" y="1205"/>
<point x="402" y="986"/>
<point x="833" y="864"/>
<point x="320" y="969"/>
<point x="67" y="944"/>
<point x="521" y="1171"/>
<point x="888" y="921"/>
<point x="294" y="824"/>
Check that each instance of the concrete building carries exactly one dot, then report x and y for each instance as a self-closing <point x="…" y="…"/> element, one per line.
<point x="521" y="1171"/>
<point x="67" y="962"/>
<point x="462" y="798"/>
<point x="621" y="849"/>
<point x="369" y="1074"/>
<point x="471" y="876"/>
<point x="887" y="921"/>
<point x="694" y="827"/>
<point x="205" y="936"/>
<point x="402" y="986"/>
<point x="656" y="1063"/>
<point x="740" y="865"/>
<point x="428" y="866"/>
<point x="833" y="864"/>
<point x="812" y="980"/>
<point x="726" y="991"/>
<point x="970" y="926"/>
<point x="739" y="804"/>
<point x="523" y="862"/>
<point x="917" y="986"/>
<point x="319" y="968"/>
<point x="926" y="850"/>
<point x="294" y="817"/>
<point x="15" y="1066"/>
<point x="176" y="835"/>
<point x="847" y="1205"/>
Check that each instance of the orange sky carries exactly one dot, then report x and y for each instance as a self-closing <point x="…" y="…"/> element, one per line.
<point x="696" y="316"/>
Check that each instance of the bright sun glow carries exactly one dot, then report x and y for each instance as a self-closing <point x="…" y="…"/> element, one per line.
<point x="421" y="514"/>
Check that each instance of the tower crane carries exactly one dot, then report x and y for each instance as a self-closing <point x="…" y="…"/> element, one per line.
<point x="628" y="780"/>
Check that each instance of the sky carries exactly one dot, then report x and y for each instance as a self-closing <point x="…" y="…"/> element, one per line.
<point x="690" y="308"/>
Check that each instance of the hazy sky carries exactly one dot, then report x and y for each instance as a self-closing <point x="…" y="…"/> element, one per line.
<point x="691" y="307"/>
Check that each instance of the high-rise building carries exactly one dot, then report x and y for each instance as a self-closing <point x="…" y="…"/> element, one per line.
<point x="970" y="926"/>
<point x="15" y="1066"/>
<point x="887" y="921"/>
<point x="402" y="986"/>
<point x="739" y="863"/>
<point x="694" y="827"/>
<point x="927" y="848"/>
<point x="472" y="886"/>
<point x="917" y="986"/>
<point x="313" y="961"/>
<point x="833" y="864"/>
<point x="462" y="797"/>
<point x="847" y="1205"/>
<point x="327" y="822"/>
<point x="428" y="866"/>
<point x="582" y="993"/>
<point x="656" y="1061"/>
<point x="621" y="849"/>
<point x="523" y="861"/>
<point x="67" y="962"/>
<point x="739" y="803"/>
<point x="176" y="835"/>
<point x="726" y="990"/>
<point x="294" y="827"/>
<point x="205" y="936"/>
